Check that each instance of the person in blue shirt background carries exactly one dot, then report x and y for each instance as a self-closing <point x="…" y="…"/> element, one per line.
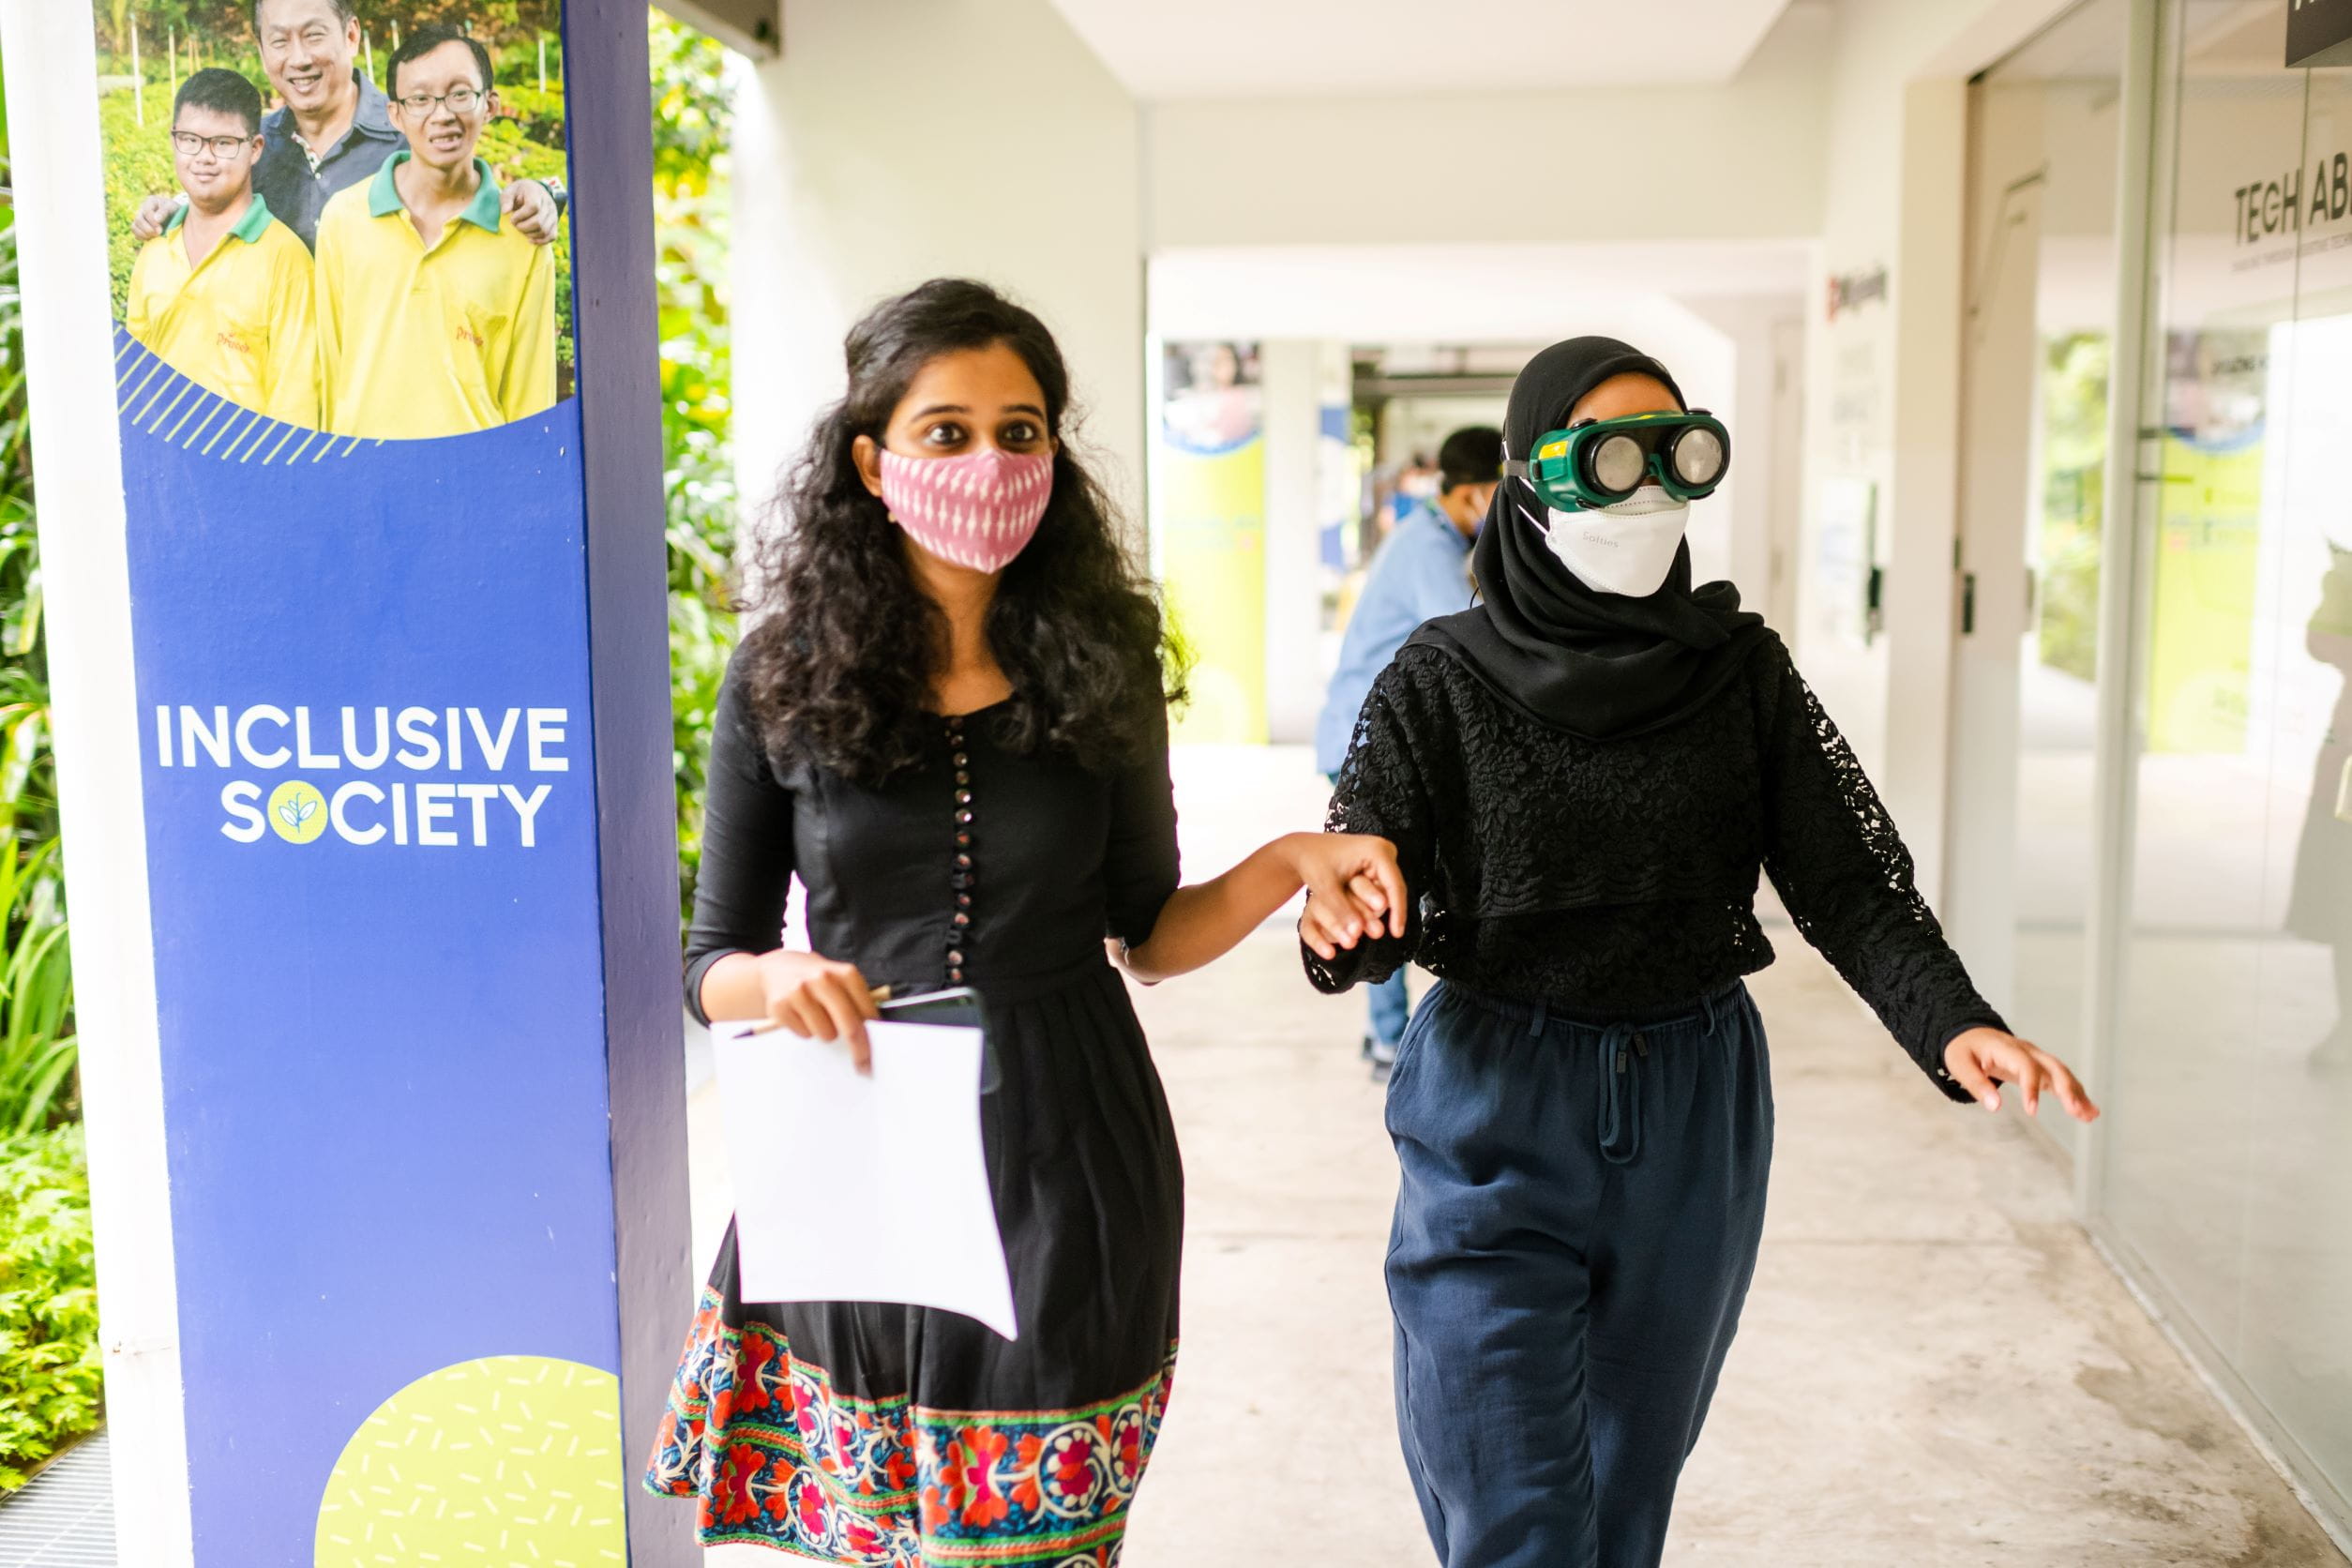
<point x="1421" y="570"/>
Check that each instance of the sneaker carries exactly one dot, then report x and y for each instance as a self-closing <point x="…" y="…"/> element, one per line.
<point x="1382" y="1055"/>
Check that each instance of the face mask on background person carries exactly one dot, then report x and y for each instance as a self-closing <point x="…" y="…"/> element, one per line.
<point x="979" y="509"/>
<point x="1626" y="549"/>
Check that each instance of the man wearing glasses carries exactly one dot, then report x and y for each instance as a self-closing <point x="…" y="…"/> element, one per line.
<point x="224" y="294"/>
<point x="335" y="130"/>
<point x="436" y="316"/>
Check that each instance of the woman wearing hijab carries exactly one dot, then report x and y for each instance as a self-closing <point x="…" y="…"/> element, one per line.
<point x="1583" y="777"/>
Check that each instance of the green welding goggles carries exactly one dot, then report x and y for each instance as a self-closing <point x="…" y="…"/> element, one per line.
<point x="1601" y="462"/>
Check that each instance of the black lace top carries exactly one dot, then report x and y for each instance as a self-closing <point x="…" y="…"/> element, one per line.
<point x="1606" y="876"/>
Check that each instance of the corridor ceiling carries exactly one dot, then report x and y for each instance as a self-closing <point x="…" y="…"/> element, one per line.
<point x="1286" y="48"/>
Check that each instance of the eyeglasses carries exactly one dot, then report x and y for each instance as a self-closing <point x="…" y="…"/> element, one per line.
<point x="461" y="100"/>
<point x="189" y="143"/>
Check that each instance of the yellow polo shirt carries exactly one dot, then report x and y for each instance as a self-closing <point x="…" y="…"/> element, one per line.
<point x="239" y="325"/>
<point x="416" y="343"/>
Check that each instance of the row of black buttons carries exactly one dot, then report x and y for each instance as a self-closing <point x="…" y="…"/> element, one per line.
<point x="960" y="926"/>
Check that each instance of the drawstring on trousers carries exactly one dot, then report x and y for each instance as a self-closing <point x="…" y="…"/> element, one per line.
<point x="1620" y="1115"/>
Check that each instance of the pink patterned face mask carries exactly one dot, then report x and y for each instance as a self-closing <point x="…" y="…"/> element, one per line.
<point x="978" y="510"/>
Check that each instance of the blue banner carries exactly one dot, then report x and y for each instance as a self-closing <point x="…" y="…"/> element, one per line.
<point x="371" y="832"/>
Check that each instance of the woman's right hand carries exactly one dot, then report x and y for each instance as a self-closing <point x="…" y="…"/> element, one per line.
<point x="819" y="999"/>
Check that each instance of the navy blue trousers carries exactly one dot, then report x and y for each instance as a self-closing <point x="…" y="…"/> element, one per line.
<point x="1576" y="1230"/>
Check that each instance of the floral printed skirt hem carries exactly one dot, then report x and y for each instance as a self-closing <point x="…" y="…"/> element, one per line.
<point x="776" y="1456"/>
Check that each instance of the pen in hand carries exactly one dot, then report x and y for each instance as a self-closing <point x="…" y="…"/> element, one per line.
<point x="879" y="993"/>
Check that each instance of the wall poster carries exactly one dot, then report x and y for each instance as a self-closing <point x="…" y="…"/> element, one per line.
<point x="340" y="244"/>
<point x="1209" y="508"/>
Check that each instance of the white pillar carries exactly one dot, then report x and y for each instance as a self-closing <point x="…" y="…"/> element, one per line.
<point x="1301" y="380"/>
<point x="1922" y="509"/>
<point x="51" y="58"/>
<point x="1734" y="535"/>
<point x="862" y="168"/>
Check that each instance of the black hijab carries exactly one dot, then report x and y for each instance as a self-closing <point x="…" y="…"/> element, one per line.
<point x="1598" y="665"/>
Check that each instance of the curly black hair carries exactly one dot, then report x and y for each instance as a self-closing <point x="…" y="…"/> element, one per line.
<point x="1075" y="625"/>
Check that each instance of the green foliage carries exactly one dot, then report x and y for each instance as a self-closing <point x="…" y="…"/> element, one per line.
<point x="2074" y="495"/>
<point x="138" y="166"/>
<point x="692" y="126"/>
<point x="38" y="1048"/>
<point x="36" y="1019"/>
<point x="510" y="28"/>
<point x="52" y="1384"/>
<point x="693" y="113"/>
<point x="49" y="1378"/>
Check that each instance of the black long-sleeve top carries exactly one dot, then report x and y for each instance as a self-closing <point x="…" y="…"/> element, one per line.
<point x="981" y="865"/>
<point x="1606" y="876"/>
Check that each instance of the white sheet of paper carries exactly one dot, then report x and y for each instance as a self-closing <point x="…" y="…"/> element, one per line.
<point x="851" y="1189"/>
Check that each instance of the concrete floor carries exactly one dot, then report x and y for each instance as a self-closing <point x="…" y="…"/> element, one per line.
<point x="1935" y="1370"/>
<point x="1934" y="1367"/>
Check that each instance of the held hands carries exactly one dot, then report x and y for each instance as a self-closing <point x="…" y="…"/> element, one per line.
<point x="1980" y="1060"/>
<point x="1355" y="890"/>
<point x="820" y="999"/>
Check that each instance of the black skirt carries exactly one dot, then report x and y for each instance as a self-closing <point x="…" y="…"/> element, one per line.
<point x="869" y="1433"/>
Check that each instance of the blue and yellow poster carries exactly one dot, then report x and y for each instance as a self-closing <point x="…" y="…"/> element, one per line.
<point x="2201" y="648"/>
<point x="1210" y="512"/>
<point x="356" y="493"/>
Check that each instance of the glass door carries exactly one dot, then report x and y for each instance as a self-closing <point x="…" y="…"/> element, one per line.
<point x="2041" y="283"/>
<point x="2227" y="1162"/>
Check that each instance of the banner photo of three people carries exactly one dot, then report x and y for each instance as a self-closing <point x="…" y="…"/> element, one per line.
<point x="346" y="223"/>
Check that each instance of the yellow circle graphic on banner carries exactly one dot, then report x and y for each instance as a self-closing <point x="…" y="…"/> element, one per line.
<point x="297" y="811"/>
<point x="514" y="1459"/>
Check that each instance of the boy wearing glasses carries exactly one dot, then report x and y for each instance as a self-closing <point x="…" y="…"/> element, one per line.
<point x="224" y="294"/>
<point x="436" y="314"/>
<point x="336" y="129"/>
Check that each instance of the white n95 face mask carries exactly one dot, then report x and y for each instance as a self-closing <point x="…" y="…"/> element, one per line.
<point x="1627" y="548"/>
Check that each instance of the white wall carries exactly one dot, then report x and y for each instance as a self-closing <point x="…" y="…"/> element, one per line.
<point x="1883" y="380"/>
<point x="1742" y="540"/>
<point x="1298" y="377"/>
<point x="1500" y="293"/>
<point x="1742" y="160"/>
<point x="895" y="143"/>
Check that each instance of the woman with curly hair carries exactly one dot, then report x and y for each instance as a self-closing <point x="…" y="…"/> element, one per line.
<point x="950" y="722"/>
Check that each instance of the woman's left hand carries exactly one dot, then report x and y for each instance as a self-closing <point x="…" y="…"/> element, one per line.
<point x="1980" y="1060"/>
<point x="1354" y="889"/>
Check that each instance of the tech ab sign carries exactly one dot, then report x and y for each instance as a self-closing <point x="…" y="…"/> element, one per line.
<point x="2289" y="203"/>
<point x="2319" y="33"/>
